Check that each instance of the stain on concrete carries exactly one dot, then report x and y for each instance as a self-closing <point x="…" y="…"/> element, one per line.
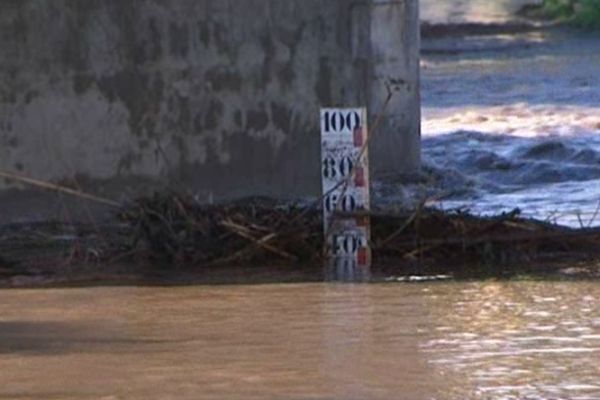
<point x="221" y="149"/>
<point x="204" y="33"/>
<point x="184" y="118"/>
<point x="182" y="149"/>
<point x="131" y="87"/>
<point x="158" y="87"/>
<point x="220" y="37"/>
<point x="144" y="144"/>
<point x="13" y="142"/>
<point x="198" y="124"/>
<point x="282" y="117"/>
<point x="75" y="51"/>
<point x="323" y="85"/>
<point x="4" y="125"/>
<point x="155" y="39"/>
<point x="223" y="78"/>
<point x="237" y="118"/>
<point x="291" y="38"/>
<point x="82" y="83"/>
<point x="127" y="162"/>
<point x="9" y="97"/>
<point x="179" y="39"/>
<point x="129" y="44"/>
<point x="31" y="95"/>
<point x="138" y="52"/>
<point x="268" y="47"/>
<point x="257" y="120"/>
<point x="213" y="115"/>
<point x="287" y="75"/>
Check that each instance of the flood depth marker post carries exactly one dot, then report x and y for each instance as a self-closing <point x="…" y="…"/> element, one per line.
<point x="346" y="194"/>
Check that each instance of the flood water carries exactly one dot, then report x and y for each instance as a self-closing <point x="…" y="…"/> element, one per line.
<point x="509" y="121"/>
<point x="512" y="120"/>
<point x="490" y="340"/>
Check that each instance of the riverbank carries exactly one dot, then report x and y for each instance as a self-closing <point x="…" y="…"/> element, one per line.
<point x="582" y="14"/>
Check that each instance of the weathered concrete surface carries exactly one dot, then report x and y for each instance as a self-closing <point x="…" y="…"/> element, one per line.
<point x="219" y="96"/>
<point x="395" y="51"/>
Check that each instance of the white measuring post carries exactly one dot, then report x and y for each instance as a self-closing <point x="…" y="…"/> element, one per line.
<point x="345" y="177"/>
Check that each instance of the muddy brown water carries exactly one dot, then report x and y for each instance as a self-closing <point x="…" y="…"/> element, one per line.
<point x="452" y="340"/>
<point x="486" y="340"/>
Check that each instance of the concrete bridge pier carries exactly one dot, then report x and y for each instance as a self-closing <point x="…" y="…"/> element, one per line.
<point x="220" y="97"/>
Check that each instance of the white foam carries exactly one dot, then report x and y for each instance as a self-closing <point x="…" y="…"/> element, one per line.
<point x="521" y="120"/>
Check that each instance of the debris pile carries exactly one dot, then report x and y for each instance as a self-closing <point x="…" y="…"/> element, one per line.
<point x="177" y="229"/>
<point x="172" y="230"/>
<point x="454" y="238"/>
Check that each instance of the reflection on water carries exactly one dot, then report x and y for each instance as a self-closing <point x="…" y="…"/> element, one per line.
<point x="310" y="341"/>
<point x="534" y="341"/>
<point x="347" y="270"/>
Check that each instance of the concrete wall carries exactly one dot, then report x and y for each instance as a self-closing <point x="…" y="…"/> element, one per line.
<point x="219" y="96"/>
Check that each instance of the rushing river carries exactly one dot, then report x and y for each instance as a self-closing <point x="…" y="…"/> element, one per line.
<point x="489" y="340"/>
<point x="512" y="120"/>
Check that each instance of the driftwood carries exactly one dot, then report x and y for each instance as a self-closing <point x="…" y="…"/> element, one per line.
<point x="179" y="230"/>
<point x="57" y="188"/>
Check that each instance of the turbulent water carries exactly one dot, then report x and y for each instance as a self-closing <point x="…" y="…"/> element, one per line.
<point x="305" y="341"/>
<point x="512" y="121"/>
